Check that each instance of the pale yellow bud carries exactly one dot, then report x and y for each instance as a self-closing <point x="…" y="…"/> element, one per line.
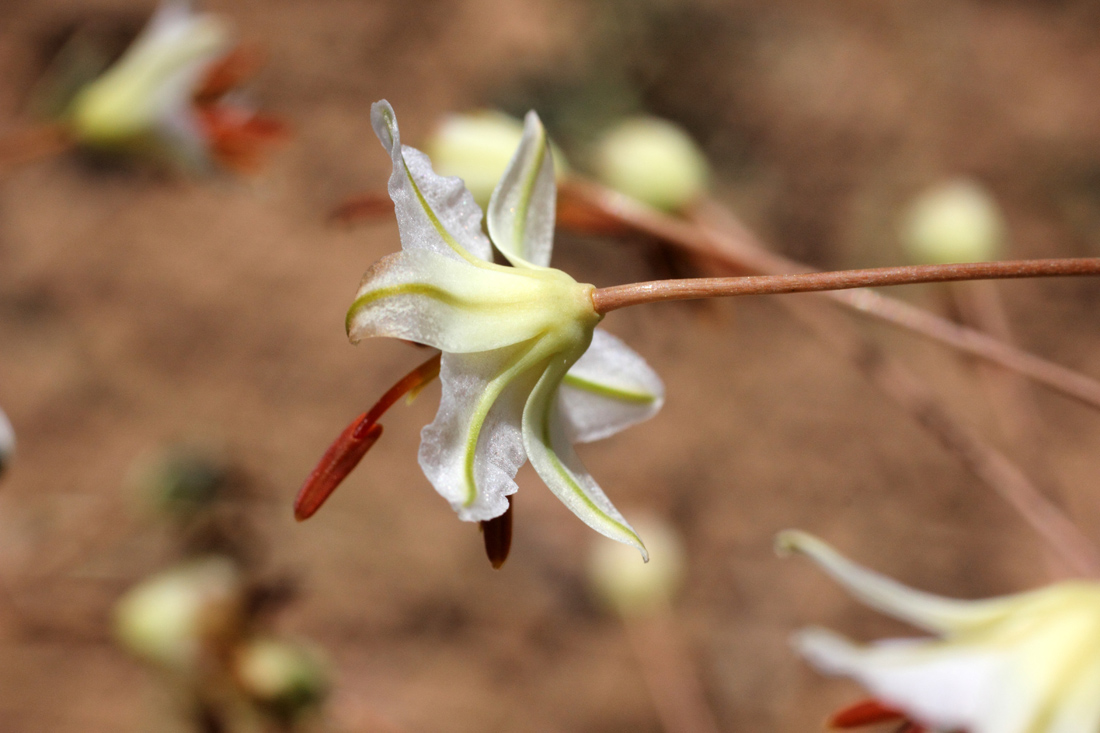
<point x="477" y="148"/>
<point x="172" y="618"/>
<point x="653" y="161"/>
<point x="634" y="588"/>
<point x="285" y="676"/>
<point x="956" y="221"/>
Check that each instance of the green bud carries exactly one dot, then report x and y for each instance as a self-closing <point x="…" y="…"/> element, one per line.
<point x="633" y="588"/>
<point x="653" y="161"/>
<point x="957" y="221"/>
<point x="181" y="480"/>
<point x="287" y="678"/>
<point x="477" y="147"/>
<point x="173" y="617"/>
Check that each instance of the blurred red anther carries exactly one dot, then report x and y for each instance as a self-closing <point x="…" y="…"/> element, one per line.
<point x="357" y="438"/>
<point x="229" y="73"/>
<point x="364" y="207"/>
<point x="238" y="136"/>
<point x="871" y="712"/>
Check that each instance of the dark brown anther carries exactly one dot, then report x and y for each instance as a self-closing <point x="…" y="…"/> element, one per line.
<point x="865" y="712"/>
<point x="337" y="462"/>
<point x="497" y="533"/>
<point x="354" y="442"/>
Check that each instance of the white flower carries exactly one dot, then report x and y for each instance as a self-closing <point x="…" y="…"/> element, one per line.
<point x="7" y="441"/>
<point x="1028" y="663"/>
<point x="172" y="95"/>
<point x="525" y="373"/>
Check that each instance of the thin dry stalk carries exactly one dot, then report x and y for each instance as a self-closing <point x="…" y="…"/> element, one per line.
<point x="670" y="676"/>
<point x="735" y="249"/>
<point x="725" y="240"/>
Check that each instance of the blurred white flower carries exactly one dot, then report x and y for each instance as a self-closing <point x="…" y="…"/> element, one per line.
<point x="167" y="96"/>
<point x="1028" y="663"/>
<point x="525" y="372"/>
<point x="7" y="441"/>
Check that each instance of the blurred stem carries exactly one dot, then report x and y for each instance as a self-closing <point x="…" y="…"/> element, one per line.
<point x="624" y="296"/>
<point x="729" y="243"/>
<point x="33" y="143"/>
<point x="717" y="235"/>
<point x="670" y="674"/>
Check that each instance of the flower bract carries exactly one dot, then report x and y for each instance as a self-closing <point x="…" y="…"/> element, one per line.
<point x="525" y="372"/>
<point x="1027" y="663"/>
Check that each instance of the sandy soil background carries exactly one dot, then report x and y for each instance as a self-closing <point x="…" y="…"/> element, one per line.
<point x="137" y="310"/>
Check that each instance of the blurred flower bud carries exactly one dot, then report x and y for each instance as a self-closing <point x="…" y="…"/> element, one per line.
<point x="147" y="96"/>
<point x="956" y="221"/>
<point x="653" y="161"/>
<point x="634" y="588"/>
<point x="287" y="678"/>
<point x="180" y="480"/>
<point x="477" y="147"/>
<point x="7" y="442"/>
<point x="172" y="618"/>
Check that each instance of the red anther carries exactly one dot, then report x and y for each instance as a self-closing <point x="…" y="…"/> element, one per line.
<point x="497" y="533"/>
<point x="358" y="437"/>
<point x="229" y="72"/>
<point x="364" y="207"/>
<point x="337" y="462"/>
<point x="239" y="137"/>
<point x="866" y="712"/>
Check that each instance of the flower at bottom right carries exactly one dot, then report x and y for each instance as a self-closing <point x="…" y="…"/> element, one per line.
<point x="1025" y="663"/>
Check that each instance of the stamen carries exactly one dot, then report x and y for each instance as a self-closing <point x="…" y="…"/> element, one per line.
<point x="497" y="533"/>
<point x="865" y="712"/>
<point x="357" y="438"/>
<point x="229" y="72"/>
<point x="335" y="465"/>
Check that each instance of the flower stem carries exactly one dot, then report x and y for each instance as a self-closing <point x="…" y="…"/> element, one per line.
<point x="623" y="296"/>
<point x="33" y="143"/>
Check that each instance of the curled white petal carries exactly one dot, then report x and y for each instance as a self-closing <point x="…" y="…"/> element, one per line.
<point x="434" y="212"/>
<point x="425" y="297"/>
<point x="473" y="448"/>
<point x="924" y="610"/>
<point x="522" y="209"/>
<point x="944" y="688"/>
<point x="557" y="464"/>
<point x="609" y="388"/>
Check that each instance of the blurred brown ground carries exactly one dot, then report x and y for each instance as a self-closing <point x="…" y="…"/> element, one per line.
<point x="135" y="311"/>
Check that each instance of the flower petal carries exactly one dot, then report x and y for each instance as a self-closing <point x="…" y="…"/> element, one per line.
<point x="923" y="610"/>
<point x="473" y="448"/>
<point x="609" y="388"/>
<point x="425" y="297"/>
<point x="557" y="464"/>
<point x="521" y="210"/>
<point x="942" y="686"/>
<point x="434" y="212"/>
